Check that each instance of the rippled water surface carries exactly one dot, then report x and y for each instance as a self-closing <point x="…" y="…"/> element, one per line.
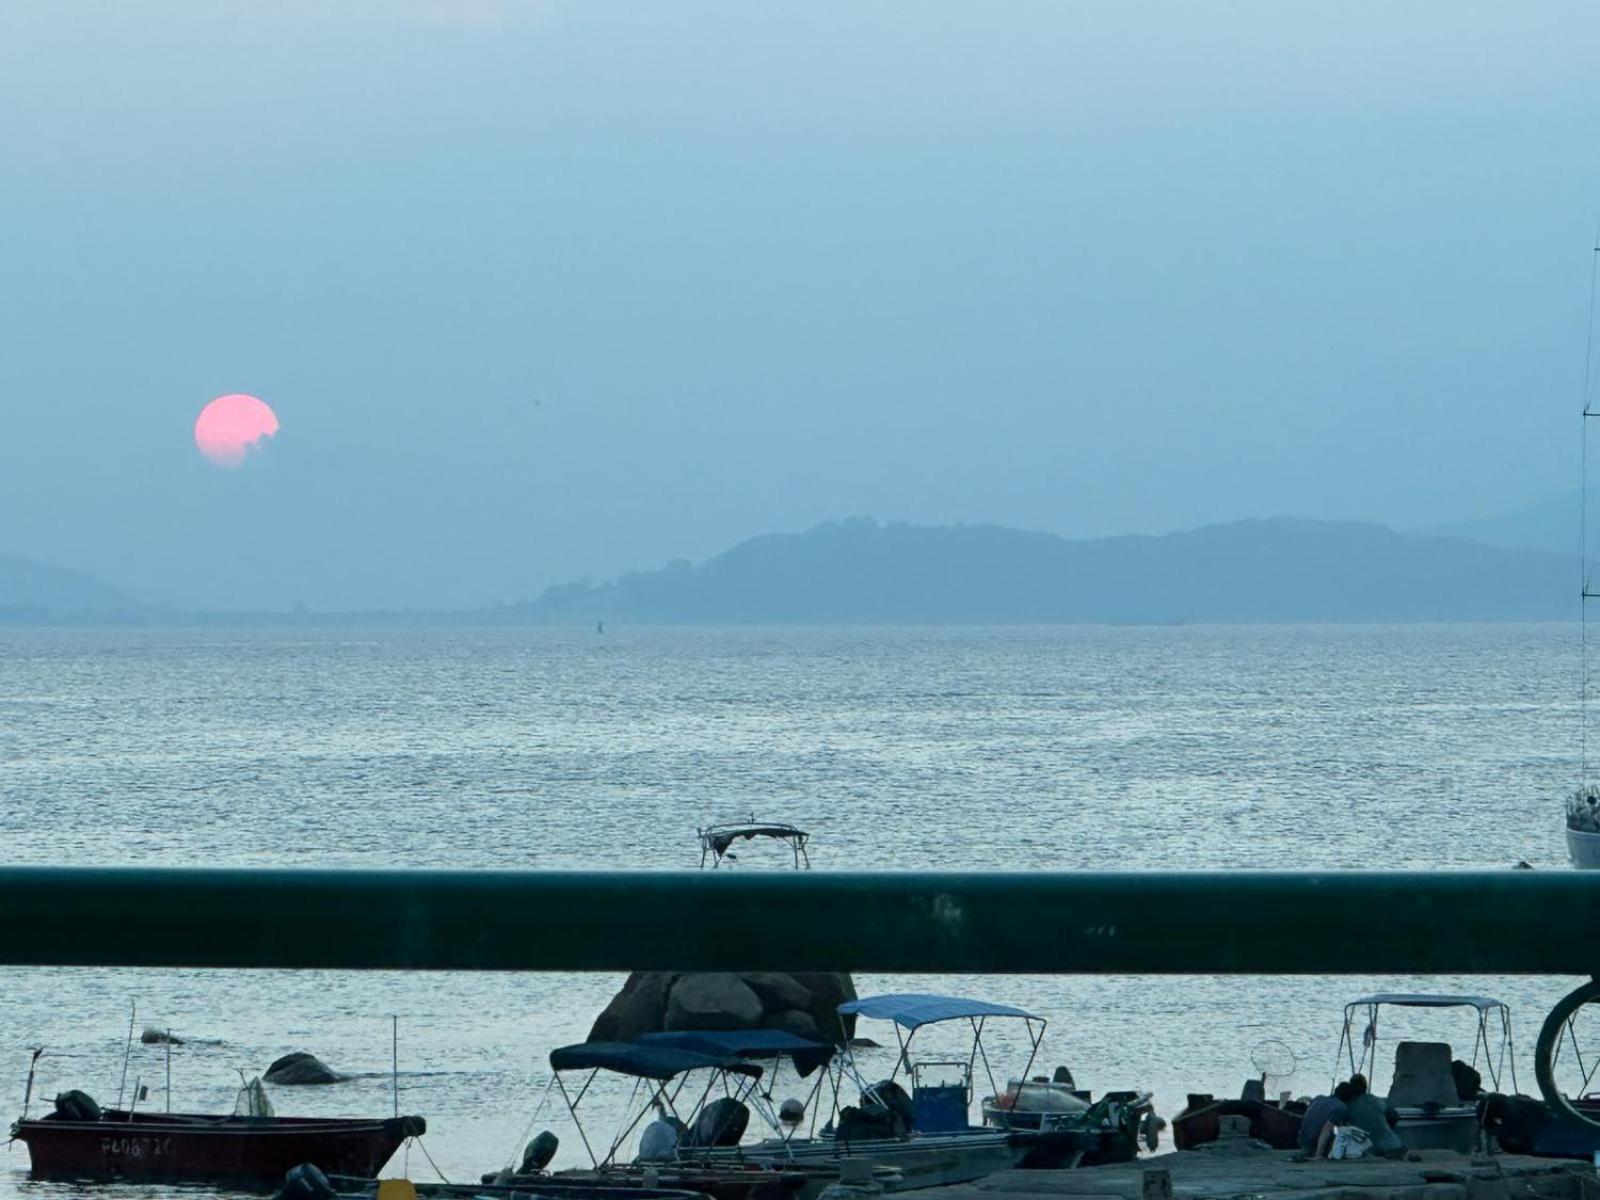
<point x="1076" y="748"/>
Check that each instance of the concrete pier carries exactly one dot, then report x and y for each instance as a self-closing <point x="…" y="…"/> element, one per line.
<point x="1248" y="1173"/>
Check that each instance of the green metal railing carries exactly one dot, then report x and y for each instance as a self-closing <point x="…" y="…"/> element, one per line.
<point x="1347" y="922"/>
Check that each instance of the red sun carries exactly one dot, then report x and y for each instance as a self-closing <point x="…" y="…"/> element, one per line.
<point x="231" y="426"/>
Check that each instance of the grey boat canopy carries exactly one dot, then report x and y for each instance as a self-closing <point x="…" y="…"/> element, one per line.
<point x="717" y="840"/>
<point x="912" y="1010"/>
<point x="1428" y="1000"/>
<point x="641" y="1061"/>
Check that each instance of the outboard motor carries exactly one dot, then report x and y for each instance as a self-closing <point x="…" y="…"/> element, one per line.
<point x="77" y="1106"/>
<point x="306" y="1182"/>
<point x="886" y="1112"/>
<point x="720" y="1123"/>
<point x="539" y="1153"/>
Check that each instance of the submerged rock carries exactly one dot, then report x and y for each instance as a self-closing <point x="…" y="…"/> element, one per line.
<point x="151" y="1036"/>
<point x="301" y="1068"/>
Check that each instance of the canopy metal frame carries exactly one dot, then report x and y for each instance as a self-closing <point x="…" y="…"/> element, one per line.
<point x="976" y="1053"/>
<point x="664" y="1093"/>
<point x="717" y="840"/>
<point x="1498" y="1055"/>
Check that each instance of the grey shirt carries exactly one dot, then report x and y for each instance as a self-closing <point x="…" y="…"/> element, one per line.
<point x="1318" y="1113"/>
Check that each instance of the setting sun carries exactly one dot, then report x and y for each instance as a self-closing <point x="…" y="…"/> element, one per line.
<point x="231" y="426"/>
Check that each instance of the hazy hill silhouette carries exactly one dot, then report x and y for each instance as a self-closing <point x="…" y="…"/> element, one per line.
<point x="31" y="591"/>
<point x="1279" y="569"/>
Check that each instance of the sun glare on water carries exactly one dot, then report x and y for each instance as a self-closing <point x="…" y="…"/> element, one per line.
<point x="231" y="426"/>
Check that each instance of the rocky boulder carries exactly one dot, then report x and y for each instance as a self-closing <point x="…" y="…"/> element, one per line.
<point x="301" y="1068"/>
<point x="804" y="1003"/>
<point x="713" y="1001"/>
<point x="640" y="1007"/>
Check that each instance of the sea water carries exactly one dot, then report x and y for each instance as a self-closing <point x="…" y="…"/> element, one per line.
<point x="948" y="748"/>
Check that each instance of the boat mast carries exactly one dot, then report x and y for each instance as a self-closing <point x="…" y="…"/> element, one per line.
<point x="1587" y="592"/>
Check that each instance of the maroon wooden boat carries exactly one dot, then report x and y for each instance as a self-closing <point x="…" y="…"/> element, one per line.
<point x="190" y="1148"/>
<point x="1276" y="1124"/>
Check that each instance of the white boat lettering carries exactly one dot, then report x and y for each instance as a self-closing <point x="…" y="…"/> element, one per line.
<point x="136" y="1147"/>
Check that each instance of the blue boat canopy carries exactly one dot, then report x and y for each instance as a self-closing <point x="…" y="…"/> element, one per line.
<point x="645" y="1062"/>
<point x="806" y="1054"/>
<point x="1427" y="1000"/>
<point x="912" y="1010"/>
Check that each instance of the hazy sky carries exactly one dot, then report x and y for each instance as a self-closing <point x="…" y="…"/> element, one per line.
<point x="551" y="290"/>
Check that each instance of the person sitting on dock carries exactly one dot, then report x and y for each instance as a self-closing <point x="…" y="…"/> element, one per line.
<point x="1323" y="1112"/>
<point x="1370" y="1115"/>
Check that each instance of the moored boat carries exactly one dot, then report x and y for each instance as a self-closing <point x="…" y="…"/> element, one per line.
<point x="1274" y="1122"/>
<point x="197" y="1148"/>
<point x="1435" y="1097"/>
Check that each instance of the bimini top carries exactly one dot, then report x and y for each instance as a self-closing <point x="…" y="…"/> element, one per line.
<point x="1426" y="1000"/>
<point x="806" y="1054"/>
<point x="717" y="838"/>
<point x="912" y="1009"/>
<point x="645" y="1062"/>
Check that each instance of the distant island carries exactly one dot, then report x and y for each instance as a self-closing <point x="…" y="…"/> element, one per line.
<point x="1280" y="569"/>
<point x="862" y="572"/>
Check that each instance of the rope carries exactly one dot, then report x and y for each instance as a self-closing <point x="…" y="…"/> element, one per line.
<point x="431" y="1163"/>
<point x="532" y="1121"/>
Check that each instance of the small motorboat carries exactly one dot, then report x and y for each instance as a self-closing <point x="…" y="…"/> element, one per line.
<point x="194" y="1148"/>
<point x="1040" y="1103"/>
<point x="659" y="1065"/>
<point x="1434" y="1096"/>
<point x="1274" y="1122"/>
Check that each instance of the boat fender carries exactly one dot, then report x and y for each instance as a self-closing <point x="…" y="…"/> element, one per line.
<point x="306" y="1182"/>
<point x="77" y="1106"/>
<point x="405" y="1126"/>
<point x="539" y="1152"/>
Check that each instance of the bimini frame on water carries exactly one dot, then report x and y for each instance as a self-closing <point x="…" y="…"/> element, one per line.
<point x="717" y="840"/>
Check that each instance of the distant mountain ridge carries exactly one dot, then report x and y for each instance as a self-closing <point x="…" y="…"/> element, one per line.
<point x="1276" y="569"/>
<point x="1553" y="524"/>
<point x="32" y="590"/>
<point x="858" y="571"/>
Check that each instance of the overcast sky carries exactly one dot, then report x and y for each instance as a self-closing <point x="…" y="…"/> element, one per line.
<point x="552" y="290"/>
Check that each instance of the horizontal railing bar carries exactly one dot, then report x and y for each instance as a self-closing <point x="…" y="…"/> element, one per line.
<point x="1503" y="922"/>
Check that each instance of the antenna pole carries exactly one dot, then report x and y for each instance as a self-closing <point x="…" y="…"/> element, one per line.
<point x="1583" y="524"/>
<point x="127" y="1052"/>
<point x="394" y="1059"/>
<point x="28" y="1094"/>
